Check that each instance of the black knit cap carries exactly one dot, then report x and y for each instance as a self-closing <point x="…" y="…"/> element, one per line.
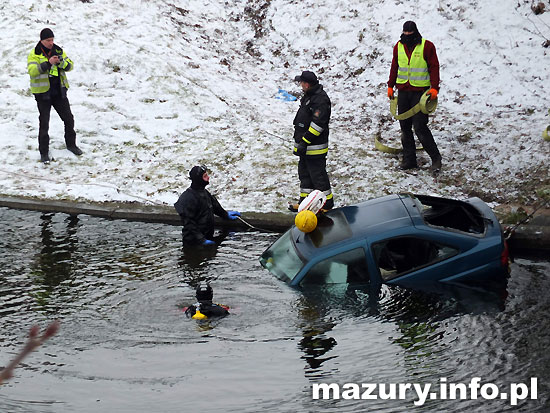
<point x="308" y="77"/>
<point x="410" y="26"/>
<point x="46" y="34"/>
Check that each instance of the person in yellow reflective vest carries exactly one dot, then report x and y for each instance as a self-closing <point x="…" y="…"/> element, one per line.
<point x="47" y="65"/>
<point x="311" y="139"/>
<point x="414" y="70"/>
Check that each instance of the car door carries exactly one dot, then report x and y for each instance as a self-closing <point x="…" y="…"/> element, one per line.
<point x="412" y="259"/>
<point x="348" y="266"/>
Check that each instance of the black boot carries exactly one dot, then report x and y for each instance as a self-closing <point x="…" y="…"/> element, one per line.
<point x="408" y="165"/>
<point x="436" y="165"/>
<point x="75" y="149"/>
<point x="45" y="158"/>
<point x="328" y="205"/>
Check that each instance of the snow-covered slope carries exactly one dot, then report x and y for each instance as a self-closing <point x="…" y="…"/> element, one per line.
<point x="159" y="86"/>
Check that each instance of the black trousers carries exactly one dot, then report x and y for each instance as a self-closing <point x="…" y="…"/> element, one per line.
<point x="405" y="101"/>
<point x="312" y="172"/>
<point x="63" y="109"/>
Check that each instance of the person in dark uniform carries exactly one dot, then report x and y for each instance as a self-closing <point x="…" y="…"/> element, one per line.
<point x="311" y="139"/>
<point x="414" y="70"/>
<point x="47" y="65"/>
<point x="205" y="308"/>
<point x="197" y="207"/>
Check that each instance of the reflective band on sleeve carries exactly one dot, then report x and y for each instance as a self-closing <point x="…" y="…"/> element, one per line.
<point x="306" y="141"/>
<point x="315" y="129"/>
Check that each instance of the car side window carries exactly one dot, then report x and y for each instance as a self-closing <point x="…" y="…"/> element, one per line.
<point x="401" y="255"/>
<point x="347" y="267"/>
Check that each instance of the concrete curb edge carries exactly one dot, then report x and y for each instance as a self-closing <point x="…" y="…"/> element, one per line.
<point x="531" y="238"/>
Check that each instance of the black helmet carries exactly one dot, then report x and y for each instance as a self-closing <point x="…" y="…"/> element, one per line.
<point x="204" y="292"/>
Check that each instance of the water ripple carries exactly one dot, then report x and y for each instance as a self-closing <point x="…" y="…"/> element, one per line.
<point x="119" y="289"/>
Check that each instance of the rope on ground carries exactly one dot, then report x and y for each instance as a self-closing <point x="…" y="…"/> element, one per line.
<point x="509" y="231"/>
<point x="277" y="136"/>
<point x="57" y="181"/>
<point x="388" y="149"/>
<point x="256" y="228"/>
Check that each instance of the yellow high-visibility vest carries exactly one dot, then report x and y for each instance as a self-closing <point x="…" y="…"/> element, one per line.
<point x="415" y="70"/>
<point x="40" y="82"/>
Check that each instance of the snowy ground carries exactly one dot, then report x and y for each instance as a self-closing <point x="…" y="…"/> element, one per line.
<point x="159" y="86"/>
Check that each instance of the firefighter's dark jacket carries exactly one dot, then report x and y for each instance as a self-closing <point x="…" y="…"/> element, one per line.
<point x="197" y="208"/>
<point x="313" y="116"/>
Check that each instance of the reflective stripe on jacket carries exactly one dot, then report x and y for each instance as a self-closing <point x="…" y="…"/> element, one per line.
<point x="40" y="70"/>
<point x="414" y="71"/>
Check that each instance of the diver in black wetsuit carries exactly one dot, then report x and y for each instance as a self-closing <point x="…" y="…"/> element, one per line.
<point x="204" y="308"/>
<point x="197" y="207"/>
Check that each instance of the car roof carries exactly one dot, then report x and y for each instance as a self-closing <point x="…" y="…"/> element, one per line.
<point x="355" y="222"/>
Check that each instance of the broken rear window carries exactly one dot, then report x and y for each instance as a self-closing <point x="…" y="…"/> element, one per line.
<point x="451" y="214"/>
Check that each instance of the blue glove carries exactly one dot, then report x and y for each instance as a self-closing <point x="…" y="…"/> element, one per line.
<point x="208" y="242"/>
<point x="301" y="149"/>
<point x="232" y="215"/>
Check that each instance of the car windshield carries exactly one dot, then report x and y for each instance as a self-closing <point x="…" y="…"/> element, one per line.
<point x="281" y="259"/>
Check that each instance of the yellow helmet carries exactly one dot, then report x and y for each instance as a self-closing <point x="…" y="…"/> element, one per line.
<point x="306" y="220"/>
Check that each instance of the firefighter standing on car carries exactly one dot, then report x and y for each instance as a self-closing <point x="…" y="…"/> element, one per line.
<point x="311" y="139"/>
<point x="414" y="70"/>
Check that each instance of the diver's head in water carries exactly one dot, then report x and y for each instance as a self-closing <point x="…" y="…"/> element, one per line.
<point x="204" y="292"/>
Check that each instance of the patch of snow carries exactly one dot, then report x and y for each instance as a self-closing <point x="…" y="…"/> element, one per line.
<point x="159" y="86"/>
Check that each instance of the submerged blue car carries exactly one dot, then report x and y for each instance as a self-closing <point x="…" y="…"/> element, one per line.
<point x="403" y="239"/>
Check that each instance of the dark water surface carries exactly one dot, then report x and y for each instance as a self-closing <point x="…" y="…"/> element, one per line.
<point x="124" y="345"/>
